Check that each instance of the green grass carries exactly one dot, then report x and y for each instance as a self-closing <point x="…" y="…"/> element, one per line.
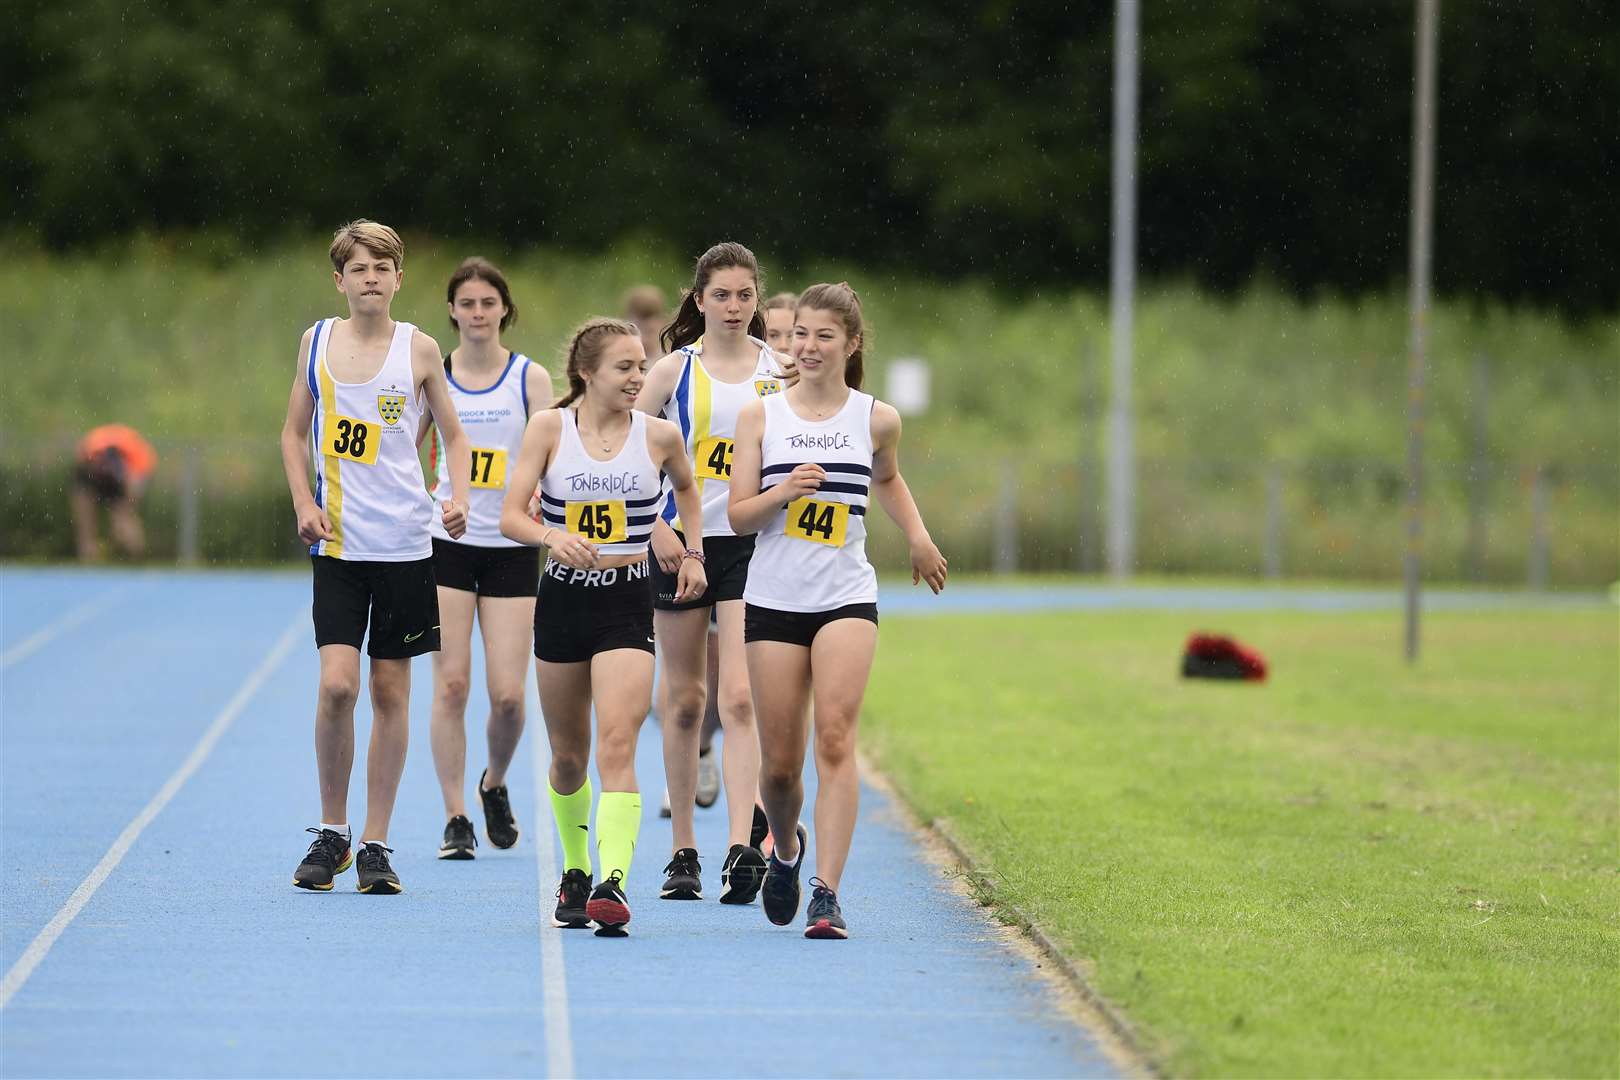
<point x="192" y="339"/>
<point x="1354" y="869"/>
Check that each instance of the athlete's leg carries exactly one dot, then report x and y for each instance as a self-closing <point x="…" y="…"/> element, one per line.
<point x="741" y="757"/>
<point x="779" y="675"/>
<point x="390" y="734"/>
<point x="840" y="664"/>
<point x="621" y="687"/>
<point x="452" y="666"/>
<point x="124" y="526"/>
<point x="83" y="505"/>
<point x="711" y="706"/>
<point x="682" y="642"/>
<point x="334" y="728"/>
<point x="507" y="624"/>
<point x="565" y="705"/>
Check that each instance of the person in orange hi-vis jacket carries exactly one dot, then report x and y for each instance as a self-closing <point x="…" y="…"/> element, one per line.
<point x="112" y="466"/>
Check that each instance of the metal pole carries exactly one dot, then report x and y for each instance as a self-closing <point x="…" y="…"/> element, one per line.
<point x="1538" y="531"/>
<point x="1122" y="284"/>
<point x="1422" y="233"/>
<point x="1087" y="488"/>
<point x="190" y="496"/>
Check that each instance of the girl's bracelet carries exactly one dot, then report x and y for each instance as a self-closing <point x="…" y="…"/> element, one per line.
<point x="694" y="553"/>
<point x="545" y="537"/>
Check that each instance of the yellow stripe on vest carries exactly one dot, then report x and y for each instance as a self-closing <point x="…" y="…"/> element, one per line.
<point x="331" y="466"/>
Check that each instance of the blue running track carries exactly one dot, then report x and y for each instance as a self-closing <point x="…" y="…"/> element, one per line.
<point x="158" y="771"/>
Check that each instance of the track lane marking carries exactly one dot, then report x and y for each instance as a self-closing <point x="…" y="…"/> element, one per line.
<point x="73" y="619"/>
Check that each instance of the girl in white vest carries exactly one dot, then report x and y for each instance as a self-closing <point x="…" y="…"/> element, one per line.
<point x="495" y="391"/>
<point x="807" y="464"/>
<point x="597" y="462"/>
<point x="717" y="364"/>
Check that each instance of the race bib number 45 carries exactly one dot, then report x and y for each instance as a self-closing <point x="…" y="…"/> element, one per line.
<point x="713" y="459"/>
<point x="351" y="440"/>
<point x="598" y="522"/>
<point x="488" y="468"/>
<point x="818" y="522"/>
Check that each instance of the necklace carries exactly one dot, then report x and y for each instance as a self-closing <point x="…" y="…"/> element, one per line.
<point x="602" y="438"/>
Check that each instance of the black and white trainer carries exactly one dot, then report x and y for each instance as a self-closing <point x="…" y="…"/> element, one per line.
<point x="779" y="895"/>
<point x="459" y="839"/>
<point x="328" y="857"/>
<point x="573" y="893"/>
<point x="822" y="919"/>
<point x="499" y="824"/>
<point x="742" y="875"/>
<point x="683" y="877"/>
<point x="377" y="878"/>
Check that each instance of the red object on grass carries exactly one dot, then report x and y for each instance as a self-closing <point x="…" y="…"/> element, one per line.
<point x="1216" y="656"/>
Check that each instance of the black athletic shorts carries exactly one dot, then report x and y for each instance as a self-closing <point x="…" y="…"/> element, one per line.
<point x="725" y="566"/>
<point x="798" y="627"/>
<point x="400" y="598"/>
<point x="105" y="476"/>
<point x="585" y="612"/>
<point x="487" y="571"/>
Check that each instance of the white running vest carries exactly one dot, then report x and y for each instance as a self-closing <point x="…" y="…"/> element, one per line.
<point x="610" y="503"/>
<point x="706" y="409"/>
<point x="811" y="556"/>
<point x="494" y="420"/>
<point x="368" y="477"/>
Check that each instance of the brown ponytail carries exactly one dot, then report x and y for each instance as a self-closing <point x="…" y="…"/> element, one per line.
<point x="585" y="352"/>
<point x="843" y="301"/>
<point x="687" y="326"/>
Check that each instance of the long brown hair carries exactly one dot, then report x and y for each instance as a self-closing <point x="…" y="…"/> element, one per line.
<point x="585" y="352"/>
<point x="687" y="326"/>
<point x="481" y="268"/>
<point x="842" y="300"/>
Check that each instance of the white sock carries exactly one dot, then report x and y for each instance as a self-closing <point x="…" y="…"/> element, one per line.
<point x="341" y="830"/>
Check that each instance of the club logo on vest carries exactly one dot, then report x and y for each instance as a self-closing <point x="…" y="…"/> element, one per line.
<point x="767" y="387"/>
<point x="391" y="407"/>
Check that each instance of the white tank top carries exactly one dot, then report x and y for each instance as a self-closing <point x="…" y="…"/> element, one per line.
<point x="494" y="420"/>
<point x="368" y="477"/>
<point x="811" y="556"/>
<point x="706" y="410"/>
<point x="610" y="503"/>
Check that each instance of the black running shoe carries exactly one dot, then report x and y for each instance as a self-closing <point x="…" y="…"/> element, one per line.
<point x="376" y="876"/>
<point x="759" y="830"/>
<point x="572" y="895"/>
<point x="499" y="824"/>
<point x="822" y="919"/>
<point x="779" y="895"/>
<point x="683" y="877"/>
<point x="328" y="857"/>
<point x="459" y="839"/>
<point x="607" y="906"/>
<point x="742" y="875"/>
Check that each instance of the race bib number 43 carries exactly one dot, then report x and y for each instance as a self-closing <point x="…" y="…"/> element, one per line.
<point x="488" y="468"/>
<point x="351" y="440"/>
<point x="818" y="522"/>
<point x="713" y="459"/>
<point x="598" y="522"/>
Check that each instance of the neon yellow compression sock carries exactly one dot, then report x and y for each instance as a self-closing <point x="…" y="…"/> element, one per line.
<point x="573" y="814"/>
<point x="618" y="822"/>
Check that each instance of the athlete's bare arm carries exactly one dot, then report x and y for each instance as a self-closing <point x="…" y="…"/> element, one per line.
<point x="749" y="508"/>
<point x="428" y="370"/>
<point x="537" y="386"/>
<point x="656" y="391"/>
<point x="669" y="454"/>
<point x="313" y="524"/>
<point x="927" y="564"/>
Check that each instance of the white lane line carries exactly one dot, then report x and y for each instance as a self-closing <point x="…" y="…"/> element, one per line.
<point x="553" y="976"/>
<point x="31" y="957"/>
<point x="81" y="614"/>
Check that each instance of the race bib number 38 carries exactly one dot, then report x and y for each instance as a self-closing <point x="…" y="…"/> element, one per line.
<point x="818" y="522"/>
<point x="713" y="459"/>
<point x="598" y="522"/>
<point x="488" y="468"/>
<point x="351" y="440"/>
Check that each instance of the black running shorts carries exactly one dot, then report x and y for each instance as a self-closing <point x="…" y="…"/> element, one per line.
<point x="399" y="598"/>
<point x="585" y="612"/>
<point x="725" y="566"/>
<point x="487" y="571"/>
<point x="798" y="627"/>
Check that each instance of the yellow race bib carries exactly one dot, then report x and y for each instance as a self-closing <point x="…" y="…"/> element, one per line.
<point x="712" y="459"/>
<point x="488" y="468"/>
<point x="351" y="440"/>
<point x="818" y="522"/>
<point x="598" y="522"/>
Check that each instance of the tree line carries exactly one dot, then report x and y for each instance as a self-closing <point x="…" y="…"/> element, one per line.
<point x="964" y="138"/>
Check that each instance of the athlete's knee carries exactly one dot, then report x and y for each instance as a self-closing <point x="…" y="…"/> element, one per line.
<point x="835" y="743"/>
<point x="615" y="747"/>
<point x="453" y="688"/>
<point x="737" y="705"/>
<point x="339" y="690"/>
<point x="568" y="769"/>
<point x="506" y="709"/>
<point x="389" y="697"/>
<point x="686" y="705"/>
<point x="779" y="777"/>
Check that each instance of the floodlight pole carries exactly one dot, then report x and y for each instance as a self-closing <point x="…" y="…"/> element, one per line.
<point x="1420" y="244"/>
<point x="1122" y="284"/>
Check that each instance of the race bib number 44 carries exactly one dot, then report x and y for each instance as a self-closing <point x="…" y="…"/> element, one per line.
<point x="712" y="461"/>
<point x="488" y="468"/>
<point x="598" y="522"/>
<point x="818" y="522"/>
<point x="351" y="440"/>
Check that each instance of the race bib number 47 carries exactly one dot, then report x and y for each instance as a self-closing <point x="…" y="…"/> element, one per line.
<point x="488" y="468"/>
<point x="351" y="440"/>
<point x="713" y="459"/>
<point x="598" y="522"/>
<point x="818" y="522"/>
